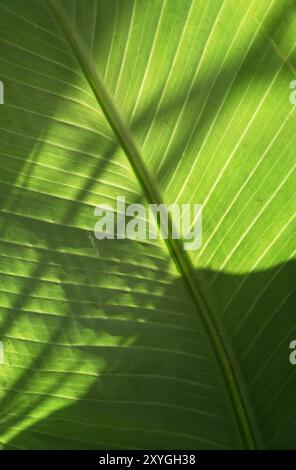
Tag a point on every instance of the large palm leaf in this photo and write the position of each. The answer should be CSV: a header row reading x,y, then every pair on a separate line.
x,y
128,343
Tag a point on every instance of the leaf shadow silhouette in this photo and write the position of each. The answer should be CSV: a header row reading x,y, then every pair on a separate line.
x,y
151,390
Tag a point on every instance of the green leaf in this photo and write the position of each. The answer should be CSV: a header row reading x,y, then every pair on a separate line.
x,y
138,343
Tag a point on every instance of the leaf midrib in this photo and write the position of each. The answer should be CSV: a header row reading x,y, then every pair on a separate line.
x,y
229,370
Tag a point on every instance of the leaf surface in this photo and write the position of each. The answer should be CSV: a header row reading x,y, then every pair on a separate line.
x,y
139,344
